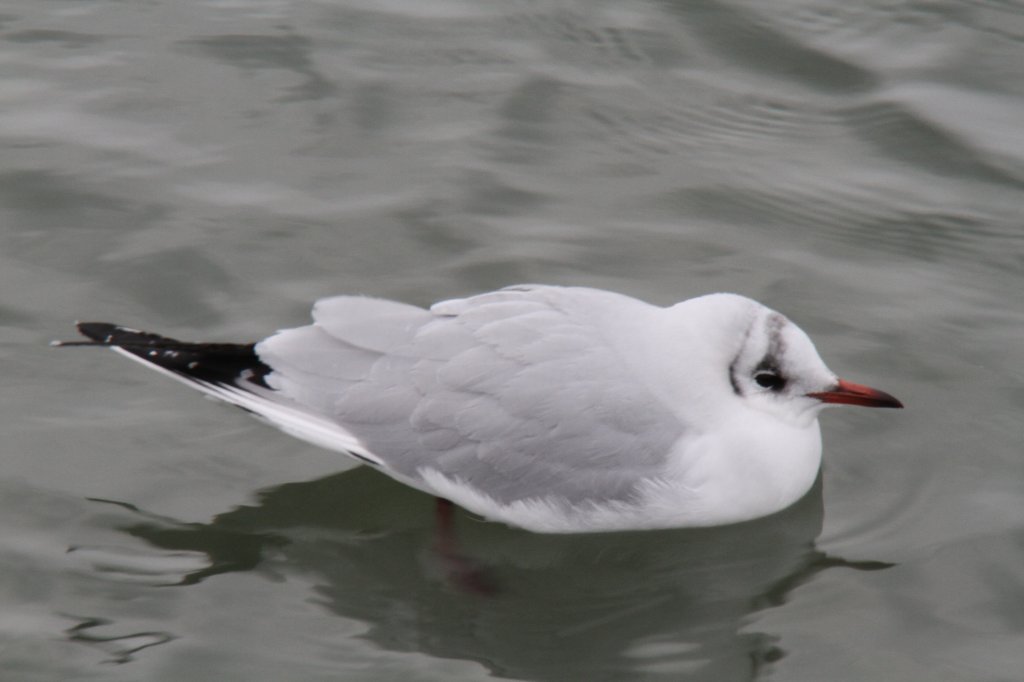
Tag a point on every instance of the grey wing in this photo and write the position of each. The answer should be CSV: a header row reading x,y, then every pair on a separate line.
x,y
514,393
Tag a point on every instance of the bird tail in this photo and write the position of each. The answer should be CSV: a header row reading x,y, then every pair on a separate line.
x,y
232,372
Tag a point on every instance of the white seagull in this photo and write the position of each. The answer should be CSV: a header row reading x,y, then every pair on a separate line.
x,y
554,409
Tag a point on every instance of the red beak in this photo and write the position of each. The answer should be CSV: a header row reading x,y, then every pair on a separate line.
x,y
849,393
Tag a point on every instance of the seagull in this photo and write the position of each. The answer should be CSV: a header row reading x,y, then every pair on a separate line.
x,y
553,409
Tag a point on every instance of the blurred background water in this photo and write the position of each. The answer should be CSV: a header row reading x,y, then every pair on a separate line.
x,y
208,169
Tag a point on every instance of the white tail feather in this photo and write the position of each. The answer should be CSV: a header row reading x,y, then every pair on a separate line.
x,y
264,403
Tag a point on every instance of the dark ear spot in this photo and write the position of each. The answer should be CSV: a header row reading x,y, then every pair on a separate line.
x,y
734,365
732,380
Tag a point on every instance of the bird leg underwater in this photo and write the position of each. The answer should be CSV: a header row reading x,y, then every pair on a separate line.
x,y
460,571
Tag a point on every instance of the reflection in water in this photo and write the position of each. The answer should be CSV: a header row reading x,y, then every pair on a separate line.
x,y
601,606
253,52
121,648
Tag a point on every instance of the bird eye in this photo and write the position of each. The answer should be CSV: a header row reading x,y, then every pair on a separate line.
x,y
770,380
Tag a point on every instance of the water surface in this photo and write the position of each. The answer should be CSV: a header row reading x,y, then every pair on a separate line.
x,y
208,169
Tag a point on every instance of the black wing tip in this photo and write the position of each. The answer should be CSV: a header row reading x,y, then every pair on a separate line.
x,y
98,333
217,363
107,334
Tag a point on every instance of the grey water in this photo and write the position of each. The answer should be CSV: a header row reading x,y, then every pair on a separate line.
x,y
209,168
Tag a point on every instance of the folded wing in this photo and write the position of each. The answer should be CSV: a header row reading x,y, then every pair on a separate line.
x,y
516,393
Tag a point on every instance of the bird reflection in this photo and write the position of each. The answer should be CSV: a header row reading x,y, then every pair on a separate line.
x,y
673,603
